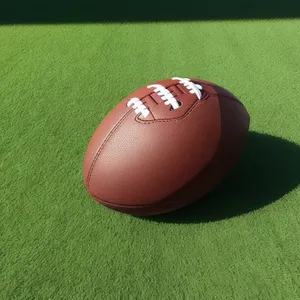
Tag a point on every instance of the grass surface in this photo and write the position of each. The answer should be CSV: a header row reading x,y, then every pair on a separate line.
x,y
58,82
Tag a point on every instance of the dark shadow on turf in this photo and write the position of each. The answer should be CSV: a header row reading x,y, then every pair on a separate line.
x,y
78,11
269,168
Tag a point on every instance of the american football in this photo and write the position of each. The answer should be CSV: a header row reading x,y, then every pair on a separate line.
x,y
165,146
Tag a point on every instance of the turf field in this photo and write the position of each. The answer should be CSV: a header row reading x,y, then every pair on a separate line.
x,y
57,83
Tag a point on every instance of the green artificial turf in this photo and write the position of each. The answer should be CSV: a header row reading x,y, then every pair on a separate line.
x,y
57,84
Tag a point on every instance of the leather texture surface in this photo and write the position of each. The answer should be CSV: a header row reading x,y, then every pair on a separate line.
x,y
169,159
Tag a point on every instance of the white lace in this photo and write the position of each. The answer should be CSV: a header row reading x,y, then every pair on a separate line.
x,y
139,106
192,87
165,95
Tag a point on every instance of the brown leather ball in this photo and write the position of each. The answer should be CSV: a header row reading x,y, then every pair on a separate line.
x,y
165,146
